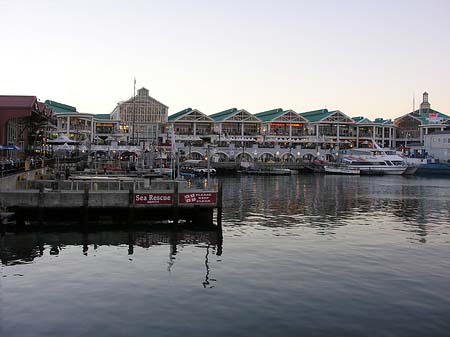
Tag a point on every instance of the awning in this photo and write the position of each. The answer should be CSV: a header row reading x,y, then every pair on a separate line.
x,y
63,139
10,147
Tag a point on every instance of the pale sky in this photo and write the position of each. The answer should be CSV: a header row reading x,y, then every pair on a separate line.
x,y
365,58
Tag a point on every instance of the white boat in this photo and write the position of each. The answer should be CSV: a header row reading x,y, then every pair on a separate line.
x,y
341,169
375,160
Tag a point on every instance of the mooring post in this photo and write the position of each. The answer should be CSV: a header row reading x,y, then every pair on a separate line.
x,y
131,205
85,208
219,206
175,202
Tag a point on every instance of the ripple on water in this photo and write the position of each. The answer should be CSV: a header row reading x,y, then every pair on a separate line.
x,y
304,255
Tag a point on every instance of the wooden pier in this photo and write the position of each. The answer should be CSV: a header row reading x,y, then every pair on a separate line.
x,y
118,201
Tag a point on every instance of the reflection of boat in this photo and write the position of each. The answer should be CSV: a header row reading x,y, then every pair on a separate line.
x,y
341,169
187,173
203,172
270,172
6,217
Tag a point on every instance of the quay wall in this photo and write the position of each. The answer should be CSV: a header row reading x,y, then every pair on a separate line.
x,y
8,183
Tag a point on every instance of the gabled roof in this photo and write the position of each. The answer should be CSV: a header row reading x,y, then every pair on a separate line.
x,y
143,98
220,116
103,116
7,101
179,114
382,121
316,115
359,119
269,115
423,115
60,107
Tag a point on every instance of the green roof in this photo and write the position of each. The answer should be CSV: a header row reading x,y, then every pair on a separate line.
x,y
382,121
358,119
423,115
220,116
316,115
175,116
60,107
270,115
103,116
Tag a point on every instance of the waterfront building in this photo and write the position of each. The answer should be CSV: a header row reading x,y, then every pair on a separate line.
x,y
142,116
381,130
24,122
280,125
411,128
274,135
85,127
334,126
437,145
190,124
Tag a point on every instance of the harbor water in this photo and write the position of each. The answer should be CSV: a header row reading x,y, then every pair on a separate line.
x,y
305,255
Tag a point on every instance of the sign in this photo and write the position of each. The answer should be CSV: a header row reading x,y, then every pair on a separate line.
x,y
153,199
198,198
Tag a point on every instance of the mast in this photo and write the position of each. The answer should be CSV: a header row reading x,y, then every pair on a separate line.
x,y
134,108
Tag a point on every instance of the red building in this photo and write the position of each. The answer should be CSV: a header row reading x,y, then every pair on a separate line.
x,y
23,122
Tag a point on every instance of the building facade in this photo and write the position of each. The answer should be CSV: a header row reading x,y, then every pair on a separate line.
x,y
24,122
411,128
143,117
84,127
437,145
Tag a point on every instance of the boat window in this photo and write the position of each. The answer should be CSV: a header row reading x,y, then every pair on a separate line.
x,y
389,163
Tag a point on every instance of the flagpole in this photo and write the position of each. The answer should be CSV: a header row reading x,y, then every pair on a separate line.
x,y
134,108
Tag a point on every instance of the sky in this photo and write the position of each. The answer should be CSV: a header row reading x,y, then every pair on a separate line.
x,y
365,58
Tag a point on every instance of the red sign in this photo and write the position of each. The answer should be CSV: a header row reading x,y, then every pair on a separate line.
x,y
198,198
153,199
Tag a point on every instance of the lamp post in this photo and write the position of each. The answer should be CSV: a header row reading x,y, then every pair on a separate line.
x,y
407,135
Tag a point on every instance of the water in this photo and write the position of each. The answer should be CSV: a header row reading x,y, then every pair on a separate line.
x,y
308,255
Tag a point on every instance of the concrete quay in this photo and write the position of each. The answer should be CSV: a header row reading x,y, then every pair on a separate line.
x,y
94,201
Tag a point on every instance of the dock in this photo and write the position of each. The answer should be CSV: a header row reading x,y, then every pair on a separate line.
x,y
122,201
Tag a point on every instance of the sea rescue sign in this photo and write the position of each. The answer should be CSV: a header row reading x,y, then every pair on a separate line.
x,y
153,199
198,198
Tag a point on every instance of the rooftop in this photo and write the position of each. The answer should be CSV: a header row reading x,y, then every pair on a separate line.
x,y
269,115
315,115
7,101
220,116
60,107
178,114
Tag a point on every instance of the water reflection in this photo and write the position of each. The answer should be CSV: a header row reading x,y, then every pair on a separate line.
x,y
26,247
327,203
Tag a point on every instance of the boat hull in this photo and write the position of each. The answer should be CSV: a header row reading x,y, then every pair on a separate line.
x,y
433,169
380,170
341,170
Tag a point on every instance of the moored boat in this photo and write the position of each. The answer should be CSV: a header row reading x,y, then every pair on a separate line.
x,y
375,161
341,169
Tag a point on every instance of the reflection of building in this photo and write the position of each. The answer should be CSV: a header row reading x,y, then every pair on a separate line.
x,y
24,122
412,127
143,116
